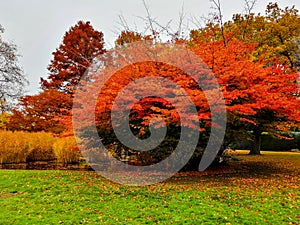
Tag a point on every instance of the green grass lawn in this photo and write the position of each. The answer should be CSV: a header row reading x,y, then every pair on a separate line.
x,y
258,190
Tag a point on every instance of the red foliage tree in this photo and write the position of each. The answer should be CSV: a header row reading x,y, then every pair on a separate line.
x,y
81,44
42,112
50,110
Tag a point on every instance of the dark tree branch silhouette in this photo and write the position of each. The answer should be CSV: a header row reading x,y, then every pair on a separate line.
x,y
12,79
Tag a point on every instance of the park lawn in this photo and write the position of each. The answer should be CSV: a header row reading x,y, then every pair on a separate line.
x,y
258,190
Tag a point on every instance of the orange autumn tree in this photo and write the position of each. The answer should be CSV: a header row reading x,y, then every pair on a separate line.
x,y
149,103
258,98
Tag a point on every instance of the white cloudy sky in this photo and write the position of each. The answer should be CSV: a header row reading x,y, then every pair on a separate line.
x,y
38,26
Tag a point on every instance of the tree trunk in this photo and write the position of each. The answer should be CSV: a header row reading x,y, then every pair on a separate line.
x,y
257,143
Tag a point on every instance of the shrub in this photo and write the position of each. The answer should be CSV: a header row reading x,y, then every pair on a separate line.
x,y
12,148
66,150
21,147
40,147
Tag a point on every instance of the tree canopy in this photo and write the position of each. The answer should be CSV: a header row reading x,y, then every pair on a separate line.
x,y
81,44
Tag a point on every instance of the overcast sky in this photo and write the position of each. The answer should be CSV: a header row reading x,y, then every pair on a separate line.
x,y
37,27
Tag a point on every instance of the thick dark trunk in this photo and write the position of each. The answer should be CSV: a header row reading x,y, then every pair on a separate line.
x,y
257,143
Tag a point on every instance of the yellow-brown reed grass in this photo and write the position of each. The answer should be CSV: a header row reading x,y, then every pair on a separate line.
x,y
24,147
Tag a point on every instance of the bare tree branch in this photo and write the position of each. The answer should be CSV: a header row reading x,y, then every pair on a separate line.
x,y
180,22
123,22
249,6
155,28
199,23
217,6
12,79
149,18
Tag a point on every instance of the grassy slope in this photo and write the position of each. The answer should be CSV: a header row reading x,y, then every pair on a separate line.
x,y
258,190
